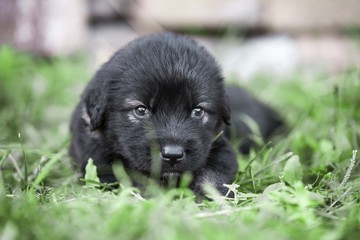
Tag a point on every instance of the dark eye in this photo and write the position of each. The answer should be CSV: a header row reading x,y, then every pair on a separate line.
x,y
141,112
197,112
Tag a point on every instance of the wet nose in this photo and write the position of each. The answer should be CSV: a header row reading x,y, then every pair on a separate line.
x,y
172,154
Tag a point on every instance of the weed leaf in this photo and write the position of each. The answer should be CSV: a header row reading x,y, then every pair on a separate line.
x,y
293,171
91,174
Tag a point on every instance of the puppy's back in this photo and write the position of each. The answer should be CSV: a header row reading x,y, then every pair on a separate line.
x,y
244,105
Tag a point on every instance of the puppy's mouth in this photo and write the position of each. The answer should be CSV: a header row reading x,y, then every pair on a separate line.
x,y
170,179
170,175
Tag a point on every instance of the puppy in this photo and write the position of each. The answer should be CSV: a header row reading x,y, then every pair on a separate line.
x,y
158,107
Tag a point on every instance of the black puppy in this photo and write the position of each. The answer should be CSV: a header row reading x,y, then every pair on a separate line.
x,y
162,90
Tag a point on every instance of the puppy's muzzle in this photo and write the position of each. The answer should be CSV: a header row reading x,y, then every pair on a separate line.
x,y
172,154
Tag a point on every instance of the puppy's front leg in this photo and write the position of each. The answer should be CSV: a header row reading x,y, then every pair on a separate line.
x,y
220,169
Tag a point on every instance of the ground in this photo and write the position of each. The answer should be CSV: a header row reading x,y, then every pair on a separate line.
x,y
305,184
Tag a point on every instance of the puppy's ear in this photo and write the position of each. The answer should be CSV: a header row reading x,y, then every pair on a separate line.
x,y
226,113
95,104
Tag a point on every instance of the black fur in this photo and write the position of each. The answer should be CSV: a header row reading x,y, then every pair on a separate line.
x,y
243,105
169,76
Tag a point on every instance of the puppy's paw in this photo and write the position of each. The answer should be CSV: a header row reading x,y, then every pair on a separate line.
x,y
208,181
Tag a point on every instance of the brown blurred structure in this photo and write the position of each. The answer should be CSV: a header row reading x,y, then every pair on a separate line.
x,y
46,28
310,15
277,15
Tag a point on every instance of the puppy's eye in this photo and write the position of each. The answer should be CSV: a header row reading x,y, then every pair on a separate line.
x,y
197,112
141,112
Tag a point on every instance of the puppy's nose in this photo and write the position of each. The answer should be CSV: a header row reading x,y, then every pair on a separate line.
x,y
172,154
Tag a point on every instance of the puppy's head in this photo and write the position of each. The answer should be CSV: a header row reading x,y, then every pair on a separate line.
x,y
164,91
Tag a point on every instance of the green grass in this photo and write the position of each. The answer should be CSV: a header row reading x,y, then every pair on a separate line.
x,y
304,185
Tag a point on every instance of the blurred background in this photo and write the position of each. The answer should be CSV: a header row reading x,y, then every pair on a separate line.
x,y
248,37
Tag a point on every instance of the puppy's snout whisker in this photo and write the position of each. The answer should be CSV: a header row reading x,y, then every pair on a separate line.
x,y
172,154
